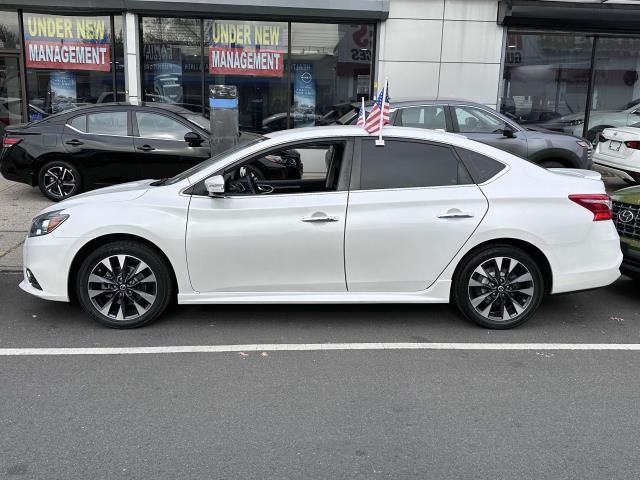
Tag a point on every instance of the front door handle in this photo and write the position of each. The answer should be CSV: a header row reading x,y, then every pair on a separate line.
x,y
146,148
455,213
319,219
75,142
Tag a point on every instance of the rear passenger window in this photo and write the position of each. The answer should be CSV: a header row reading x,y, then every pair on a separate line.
x,y
431,117
406,164
108,123
481,167
79,123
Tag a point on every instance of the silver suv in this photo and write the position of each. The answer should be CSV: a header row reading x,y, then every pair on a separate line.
x,y
483,124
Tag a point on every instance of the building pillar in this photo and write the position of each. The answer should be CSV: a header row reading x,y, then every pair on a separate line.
x,y
132,63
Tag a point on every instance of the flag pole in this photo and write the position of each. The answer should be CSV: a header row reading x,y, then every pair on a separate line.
x,y
364,114
380,141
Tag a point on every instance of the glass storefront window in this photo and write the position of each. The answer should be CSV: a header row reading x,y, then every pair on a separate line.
x,y
330,69
172,61
251,56
9,30
68,60
10,91
546,79
616,90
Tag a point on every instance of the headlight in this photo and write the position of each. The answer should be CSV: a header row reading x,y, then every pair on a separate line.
x,y
576,122
584,144
47,223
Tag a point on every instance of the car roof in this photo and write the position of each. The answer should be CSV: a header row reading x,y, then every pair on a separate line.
x,y
333,131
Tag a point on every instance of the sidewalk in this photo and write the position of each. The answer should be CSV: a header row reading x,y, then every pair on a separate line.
x,y
19,203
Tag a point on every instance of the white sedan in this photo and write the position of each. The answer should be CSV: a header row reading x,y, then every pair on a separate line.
x,y
427,218
618,152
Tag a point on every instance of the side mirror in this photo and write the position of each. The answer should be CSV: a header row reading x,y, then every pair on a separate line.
x,y
215,186
193,139
508,132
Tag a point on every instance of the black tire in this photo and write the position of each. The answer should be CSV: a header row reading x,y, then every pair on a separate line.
x,y
149,287
551,164
466,287
59,179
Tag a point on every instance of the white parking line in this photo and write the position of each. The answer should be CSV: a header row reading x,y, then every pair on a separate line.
x,y
313,347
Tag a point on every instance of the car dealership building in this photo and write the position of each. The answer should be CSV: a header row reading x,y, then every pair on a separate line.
x,y
563,63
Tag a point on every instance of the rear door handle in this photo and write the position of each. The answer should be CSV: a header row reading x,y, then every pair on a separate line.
x,y
74,142
146,148
320,219
456,214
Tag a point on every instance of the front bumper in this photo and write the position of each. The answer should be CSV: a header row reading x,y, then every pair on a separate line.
x,y
630,261
49,259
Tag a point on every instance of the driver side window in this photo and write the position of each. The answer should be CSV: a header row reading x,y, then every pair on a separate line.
x,y
475,120
303,168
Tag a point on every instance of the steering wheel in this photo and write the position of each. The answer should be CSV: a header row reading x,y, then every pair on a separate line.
x,y
253,186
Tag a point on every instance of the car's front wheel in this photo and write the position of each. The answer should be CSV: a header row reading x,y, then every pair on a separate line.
x,y
59,179
124,284
499,287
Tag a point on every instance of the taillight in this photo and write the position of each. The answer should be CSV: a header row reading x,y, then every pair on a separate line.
x,y
10,141
598,204
633,144
602,138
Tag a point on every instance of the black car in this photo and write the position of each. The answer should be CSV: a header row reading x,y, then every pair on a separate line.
x,y
483,124
94,146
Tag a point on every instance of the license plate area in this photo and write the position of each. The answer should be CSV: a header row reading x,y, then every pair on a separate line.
x,y
615,146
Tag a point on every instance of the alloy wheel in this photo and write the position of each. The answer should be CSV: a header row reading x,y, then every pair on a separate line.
x,y
122,287
59,181
501,288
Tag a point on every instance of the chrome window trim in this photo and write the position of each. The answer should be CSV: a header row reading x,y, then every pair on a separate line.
x,y
99,134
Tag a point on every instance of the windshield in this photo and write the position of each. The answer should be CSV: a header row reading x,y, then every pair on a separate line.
x,y
347,118
199,120
216,158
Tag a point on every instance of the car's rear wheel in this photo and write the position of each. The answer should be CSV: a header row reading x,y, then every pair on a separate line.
x,y
59,179
124,284
499,287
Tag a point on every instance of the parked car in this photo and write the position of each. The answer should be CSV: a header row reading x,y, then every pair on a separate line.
x,y
483,124
626,215
598,120
618,152
100,145
495,235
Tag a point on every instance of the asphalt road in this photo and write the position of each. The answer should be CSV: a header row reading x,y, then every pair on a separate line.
x,y
446,414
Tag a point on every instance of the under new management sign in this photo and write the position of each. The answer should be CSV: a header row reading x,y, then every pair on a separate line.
x,y
76,43
251,48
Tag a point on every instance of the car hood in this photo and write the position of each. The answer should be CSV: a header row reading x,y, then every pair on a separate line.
x,y
125,192
627,195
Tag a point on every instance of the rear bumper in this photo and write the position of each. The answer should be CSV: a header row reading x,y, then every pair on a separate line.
x,y
12,171
631,261
616,172
590,263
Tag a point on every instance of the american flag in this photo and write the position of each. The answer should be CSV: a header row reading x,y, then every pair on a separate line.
x,y
380,107
361,116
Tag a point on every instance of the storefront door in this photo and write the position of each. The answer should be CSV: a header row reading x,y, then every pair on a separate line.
x,y
10,91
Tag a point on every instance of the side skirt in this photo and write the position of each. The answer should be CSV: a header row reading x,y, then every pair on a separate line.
x,y
437,293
